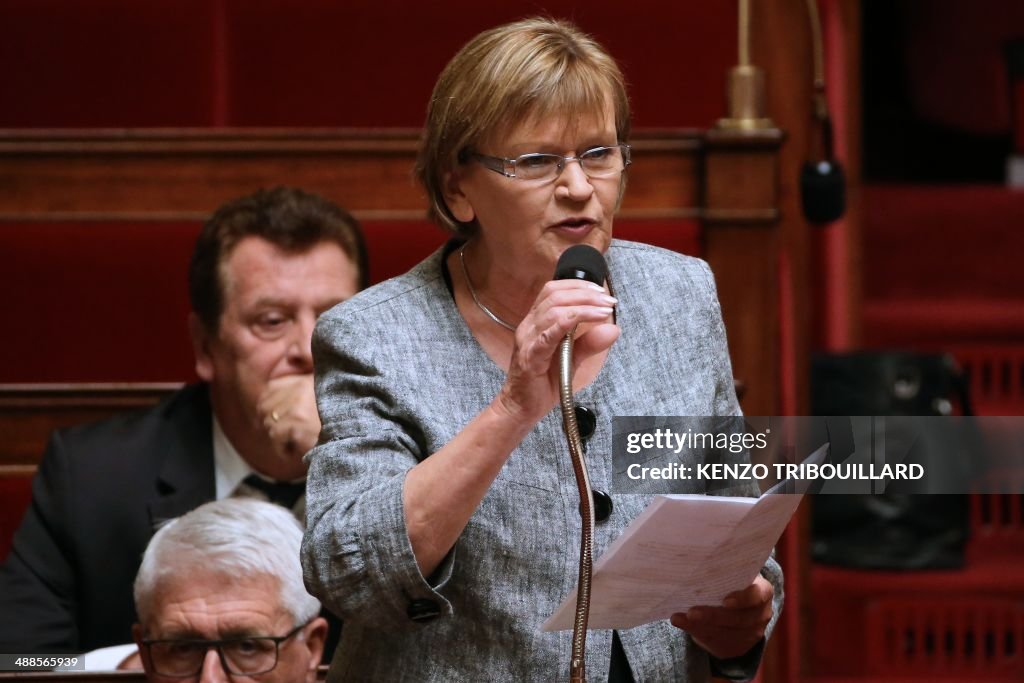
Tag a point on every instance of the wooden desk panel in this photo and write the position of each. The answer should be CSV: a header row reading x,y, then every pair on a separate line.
x,y
30,412
184,174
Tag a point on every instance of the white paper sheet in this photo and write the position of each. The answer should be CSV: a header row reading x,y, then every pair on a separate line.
x,y
680,552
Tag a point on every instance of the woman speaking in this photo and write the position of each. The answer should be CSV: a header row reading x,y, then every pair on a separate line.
x,y
442,508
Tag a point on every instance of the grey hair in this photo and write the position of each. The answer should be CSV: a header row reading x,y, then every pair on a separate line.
x,y
234,536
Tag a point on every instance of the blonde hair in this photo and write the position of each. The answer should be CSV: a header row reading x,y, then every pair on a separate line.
x,y
531,68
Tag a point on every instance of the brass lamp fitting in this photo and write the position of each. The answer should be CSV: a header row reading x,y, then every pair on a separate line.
x,y
745,91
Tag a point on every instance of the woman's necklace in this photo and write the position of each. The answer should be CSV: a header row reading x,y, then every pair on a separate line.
x,y
472,292
491,314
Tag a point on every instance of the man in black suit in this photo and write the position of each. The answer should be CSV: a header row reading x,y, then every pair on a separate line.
x,y
264,267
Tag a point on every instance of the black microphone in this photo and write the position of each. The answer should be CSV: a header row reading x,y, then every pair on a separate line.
x,y
582,262
823,183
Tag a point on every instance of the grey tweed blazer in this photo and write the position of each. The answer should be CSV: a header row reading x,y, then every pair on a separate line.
x,y
398,376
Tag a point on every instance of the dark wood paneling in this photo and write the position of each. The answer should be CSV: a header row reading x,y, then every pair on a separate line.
x,y
170,175
741,257
185,174
30,412
742,184
740,211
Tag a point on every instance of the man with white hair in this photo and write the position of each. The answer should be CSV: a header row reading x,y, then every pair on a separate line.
x,y
220,597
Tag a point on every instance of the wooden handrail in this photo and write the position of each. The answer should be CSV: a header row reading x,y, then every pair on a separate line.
x,y
183,174
30,412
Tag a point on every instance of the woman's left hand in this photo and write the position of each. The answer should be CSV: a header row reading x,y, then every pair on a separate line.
x,y
736,626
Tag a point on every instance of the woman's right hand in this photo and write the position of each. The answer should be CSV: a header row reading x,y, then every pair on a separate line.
x,y
531,387
467,465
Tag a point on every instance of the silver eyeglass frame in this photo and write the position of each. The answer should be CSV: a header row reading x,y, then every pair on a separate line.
x,y
507,167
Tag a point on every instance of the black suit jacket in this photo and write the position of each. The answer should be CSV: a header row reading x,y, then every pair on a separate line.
x,y
99,493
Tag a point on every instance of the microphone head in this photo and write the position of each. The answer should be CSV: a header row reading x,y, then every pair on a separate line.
x,y
822,191
581,262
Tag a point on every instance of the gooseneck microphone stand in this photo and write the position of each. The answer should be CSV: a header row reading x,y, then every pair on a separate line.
x,y
577,667
581,262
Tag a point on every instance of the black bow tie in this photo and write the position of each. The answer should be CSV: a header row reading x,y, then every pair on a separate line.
x,y
279,492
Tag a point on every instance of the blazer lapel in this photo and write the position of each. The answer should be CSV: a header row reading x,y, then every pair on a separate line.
x,y
186,478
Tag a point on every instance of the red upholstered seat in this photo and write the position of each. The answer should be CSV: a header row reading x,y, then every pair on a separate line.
x,y
107,63
954,625
125,63
396,246
109,301
677,235
943,242
96,301
941,274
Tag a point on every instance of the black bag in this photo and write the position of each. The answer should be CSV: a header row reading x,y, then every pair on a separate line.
x,y
888,530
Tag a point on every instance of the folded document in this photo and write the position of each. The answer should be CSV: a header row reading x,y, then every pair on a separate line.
x,y
680,552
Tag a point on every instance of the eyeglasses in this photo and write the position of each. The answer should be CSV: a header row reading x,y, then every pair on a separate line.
x,y
245,656
597,162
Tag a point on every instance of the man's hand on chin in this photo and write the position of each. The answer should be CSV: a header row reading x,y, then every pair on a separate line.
x,y
288,411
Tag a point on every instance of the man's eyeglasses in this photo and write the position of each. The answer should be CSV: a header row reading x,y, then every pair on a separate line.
x,y
597,162
244,656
